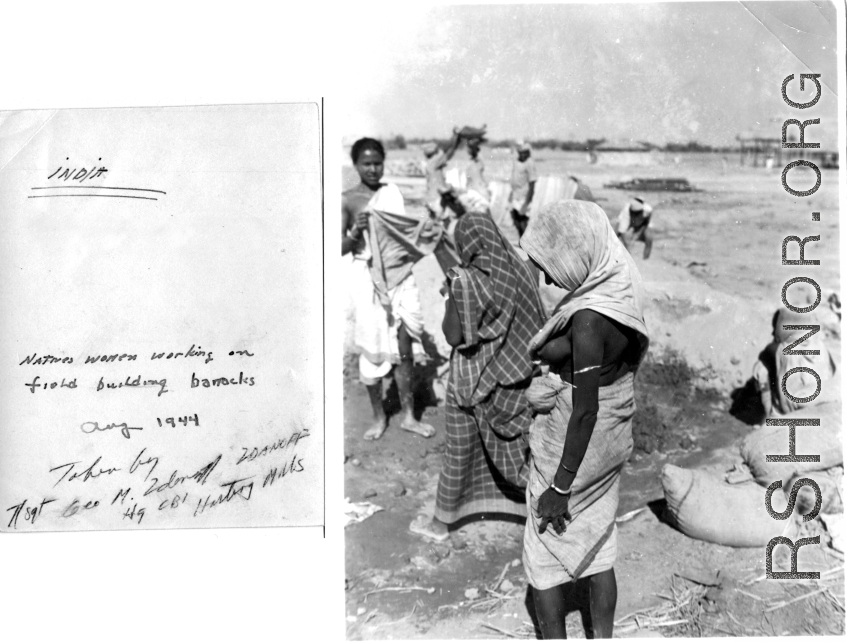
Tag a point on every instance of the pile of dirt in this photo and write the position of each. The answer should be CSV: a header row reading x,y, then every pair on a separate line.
x,y
669,369
650,433
669,403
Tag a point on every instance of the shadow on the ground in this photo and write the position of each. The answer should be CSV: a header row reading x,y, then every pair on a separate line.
x,y
504,517
747,403
660,510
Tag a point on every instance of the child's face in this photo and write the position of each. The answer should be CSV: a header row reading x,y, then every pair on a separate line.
x,y
370,166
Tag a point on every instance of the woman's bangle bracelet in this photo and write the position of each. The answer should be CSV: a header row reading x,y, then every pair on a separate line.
x,y
565,468
561,492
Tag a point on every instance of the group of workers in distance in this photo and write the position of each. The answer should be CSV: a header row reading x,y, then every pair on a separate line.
x,y
632,223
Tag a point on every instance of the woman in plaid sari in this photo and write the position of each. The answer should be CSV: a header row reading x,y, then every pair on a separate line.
x,y
492,311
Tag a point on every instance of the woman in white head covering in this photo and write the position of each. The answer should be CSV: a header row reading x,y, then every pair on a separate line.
x,y
795,360
582,433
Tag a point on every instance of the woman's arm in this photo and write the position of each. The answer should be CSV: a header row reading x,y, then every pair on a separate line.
x,y
762,376
451,325
529,194
587,359
588,345
454,144
348,243
351,227
767,401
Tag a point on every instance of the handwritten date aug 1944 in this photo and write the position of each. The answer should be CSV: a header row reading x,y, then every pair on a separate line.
x,y
150,489
94,427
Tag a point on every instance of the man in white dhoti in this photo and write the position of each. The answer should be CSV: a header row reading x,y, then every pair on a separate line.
x,y
524,177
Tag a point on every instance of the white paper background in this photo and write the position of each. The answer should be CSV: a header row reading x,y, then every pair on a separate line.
x,y
214,585
223,261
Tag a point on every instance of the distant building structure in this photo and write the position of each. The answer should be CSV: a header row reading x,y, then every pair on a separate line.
x,y
756,150
767,151
624,152
624,145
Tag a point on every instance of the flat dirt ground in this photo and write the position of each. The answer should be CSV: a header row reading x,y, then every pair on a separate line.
x,y
713,283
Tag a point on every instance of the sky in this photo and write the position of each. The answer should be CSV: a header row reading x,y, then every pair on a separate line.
x,y
657,72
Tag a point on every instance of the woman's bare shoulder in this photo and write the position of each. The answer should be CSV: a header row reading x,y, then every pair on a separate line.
x,y
588,321
586,317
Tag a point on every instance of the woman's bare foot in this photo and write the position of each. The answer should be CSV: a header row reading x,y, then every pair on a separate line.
x,y
429,528
409,423
376,430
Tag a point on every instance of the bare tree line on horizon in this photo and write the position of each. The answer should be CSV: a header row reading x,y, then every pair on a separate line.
x,y
399,142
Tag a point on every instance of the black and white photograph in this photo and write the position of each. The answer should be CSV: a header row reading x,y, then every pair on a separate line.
x,y
575,371
592,351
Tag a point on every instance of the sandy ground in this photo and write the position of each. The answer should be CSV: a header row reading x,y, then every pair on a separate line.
x,y
713,283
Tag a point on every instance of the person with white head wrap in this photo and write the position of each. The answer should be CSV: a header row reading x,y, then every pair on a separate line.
x,y
633,224
475,172
582,433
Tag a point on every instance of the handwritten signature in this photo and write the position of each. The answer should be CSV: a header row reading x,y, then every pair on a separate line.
x,y
86,474
31,512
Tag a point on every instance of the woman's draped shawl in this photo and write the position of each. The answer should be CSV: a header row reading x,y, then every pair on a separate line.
x,y
574,243
398,240
499,308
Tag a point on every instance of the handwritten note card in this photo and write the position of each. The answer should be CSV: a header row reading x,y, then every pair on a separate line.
x,y
161,307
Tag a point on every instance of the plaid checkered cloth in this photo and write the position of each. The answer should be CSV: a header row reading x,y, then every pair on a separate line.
x,y
589,544
485,464
499,308
485,468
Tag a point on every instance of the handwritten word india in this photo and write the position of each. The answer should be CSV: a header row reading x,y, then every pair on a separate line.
x,y
142,487
136,380
78,174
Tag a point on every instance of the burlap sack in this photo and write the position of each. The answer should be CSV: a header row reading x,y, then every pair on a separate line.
x,y
829,483
704,507
823,440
